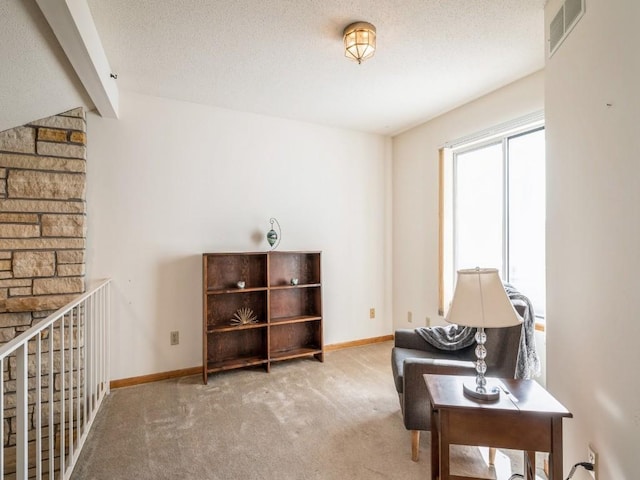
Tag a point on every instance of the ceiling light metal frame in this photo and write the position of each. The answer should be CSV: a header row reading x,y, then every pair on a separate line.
x,y
359,41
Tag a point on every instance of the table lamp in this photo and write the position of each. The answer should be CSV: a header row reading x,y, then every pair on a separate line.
x,y
479,300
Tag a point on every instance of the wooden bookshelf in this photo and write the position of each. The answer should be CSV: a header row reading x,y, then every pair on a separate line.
x,y
288,314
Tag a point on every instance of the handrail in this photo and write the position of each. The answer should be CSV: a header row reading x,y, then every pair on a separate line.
x,y
27,335
69,350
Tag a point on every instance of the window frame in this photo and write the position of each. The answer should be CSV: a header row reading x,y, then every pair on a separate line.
x,y
446,211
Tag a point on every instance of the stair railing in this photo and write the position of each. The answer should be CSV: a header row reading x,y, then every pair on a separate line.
x,y
60,369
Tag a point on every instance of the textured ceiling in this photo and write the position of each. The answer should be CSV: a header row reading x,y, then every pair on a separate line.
x,y
281,57
285,58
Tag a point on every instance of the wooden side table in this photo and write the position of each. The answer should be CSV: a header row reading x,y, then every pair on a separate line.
x,y
526,417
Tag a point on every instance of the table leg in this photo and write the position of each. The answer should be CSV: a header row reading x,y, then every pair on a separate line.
x,y
555,455
530,465
444,444
435,446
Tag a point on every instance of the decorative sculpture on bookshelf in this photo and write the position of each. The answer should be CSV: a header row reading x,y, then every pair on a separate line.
x,y
274,237
244,316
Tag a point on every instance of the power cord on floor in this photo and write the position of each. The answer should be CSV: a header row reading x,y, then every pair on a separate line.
x,y
585,465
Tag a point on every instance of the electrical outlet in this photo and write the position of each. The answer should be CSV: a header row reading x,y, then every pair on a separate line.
x,y
409,317
175,337
427,321
372,313
592,457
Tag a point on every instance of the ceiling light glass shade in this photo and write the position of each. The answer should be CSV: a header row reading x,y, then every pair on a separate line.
x,y
359,41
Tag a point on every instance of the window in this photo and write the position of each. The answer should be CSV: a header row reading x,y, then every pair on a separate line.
x,y
494,210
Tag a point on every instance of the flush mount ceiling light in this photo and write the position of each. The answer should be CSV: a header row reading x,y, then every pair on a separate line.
x,y
359,41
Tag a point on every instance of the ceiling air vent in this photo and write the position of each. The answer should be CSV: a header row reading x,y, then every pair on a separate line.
x,y
567,17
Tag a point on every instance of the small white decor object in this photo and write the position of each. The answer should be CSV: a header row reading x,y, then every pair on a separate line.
x,y
244,316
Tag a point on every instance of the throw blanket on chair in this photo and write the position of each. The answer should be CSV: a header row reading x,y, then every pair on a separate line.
x,y
452,337
456,337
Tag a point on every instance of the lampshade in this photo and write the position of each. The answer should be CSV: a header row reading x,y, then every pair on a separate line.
x,y
479,300
359,41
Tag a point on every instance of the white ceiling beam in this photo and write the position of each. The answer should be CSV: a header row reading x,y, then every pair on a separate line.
x,y
73,25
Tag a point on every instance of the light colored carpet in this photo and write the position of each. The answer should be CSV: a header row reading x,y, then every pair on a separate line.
x,y
305,420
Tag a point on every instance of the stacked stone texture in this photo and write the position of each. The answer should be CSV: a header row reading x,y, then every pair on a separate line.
x,y
42,246
42,215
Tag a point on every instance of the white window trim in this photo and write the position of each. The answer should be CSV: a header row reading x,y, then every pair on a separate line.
x,y
513,127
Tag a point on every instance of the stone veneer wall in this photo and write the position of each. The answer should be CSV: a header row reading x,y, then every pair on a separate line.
x,y
42,248
42,218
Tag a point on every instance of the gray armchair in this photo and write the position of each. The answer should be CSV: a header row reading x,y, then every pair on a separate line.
x,y
412,357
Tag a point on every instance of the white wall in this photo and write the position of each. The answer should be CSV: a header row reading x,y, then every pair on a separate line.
x,y
170,180
593,234
415,192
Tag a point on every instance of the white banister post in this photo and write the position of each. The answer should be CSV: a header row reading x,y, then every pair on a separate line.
x,y
79,346
38,407
62,404
22,408
71,379
2,416
102,344
89,354
85,348
52,452
107,348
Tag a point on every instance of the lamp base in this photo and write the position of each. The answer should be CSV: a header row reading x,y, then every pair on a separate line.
x,y
490,393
